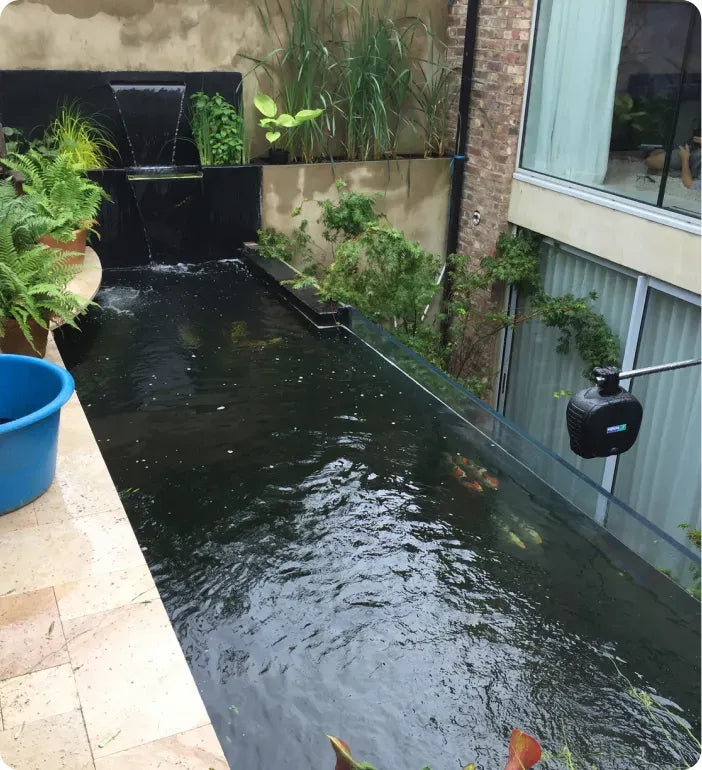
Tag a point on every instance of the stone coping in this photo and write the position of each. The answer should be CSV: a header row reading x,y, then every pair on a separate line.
x,y
92,676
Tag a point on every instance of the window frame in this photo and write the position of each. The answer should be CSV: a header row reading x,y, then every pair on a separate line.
x,y
654,213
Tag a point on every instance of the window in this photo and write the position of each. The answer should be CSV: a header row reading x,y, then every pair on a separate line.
x,y
614,94
659,477
537,371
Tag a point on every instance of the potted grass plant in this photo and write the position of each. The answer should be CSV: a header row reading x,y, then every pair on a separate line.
x,y
83,139
57,192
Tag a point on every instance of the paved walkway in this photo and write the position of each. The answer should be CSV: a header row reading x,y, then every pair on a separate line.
x,y
92,676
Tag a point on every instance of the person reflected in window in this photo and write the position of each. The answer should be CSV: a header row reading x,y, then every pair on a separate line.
x,y
690,176
683,160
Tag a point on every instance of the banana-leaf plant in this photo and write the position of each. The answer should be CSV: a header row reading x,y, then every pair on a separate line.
x,y
275,124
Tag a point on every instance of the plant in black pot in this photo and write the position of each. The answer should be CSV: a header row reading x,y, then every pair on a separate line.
x,y
275,126
218,130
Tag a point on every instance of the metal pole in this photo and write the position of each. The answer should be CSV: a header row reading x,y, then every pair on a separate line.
x,y
659,368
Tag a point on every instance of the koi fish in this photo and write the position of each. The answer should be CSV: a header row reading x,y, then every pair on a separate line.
x,y
524,751
513,538
474,486
535,536
481,474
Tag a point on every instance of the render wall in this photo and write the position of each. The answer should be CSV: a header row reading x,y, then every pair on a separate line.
x,y
415,196
169,35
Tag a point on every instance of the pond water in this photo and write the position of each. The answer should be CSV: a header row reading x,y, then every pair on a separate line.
x,y
326,572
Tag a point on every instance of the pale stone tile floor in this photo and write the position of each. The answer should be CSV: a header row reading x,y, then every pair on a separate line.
x,y
92,676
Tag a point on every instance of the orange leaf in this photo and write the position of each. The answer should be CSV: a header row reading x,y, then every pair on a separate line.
x,y
344,760
524,751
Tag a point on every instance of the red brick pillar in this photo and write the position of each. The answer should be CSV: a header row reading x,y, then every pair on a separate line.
x,y
502,47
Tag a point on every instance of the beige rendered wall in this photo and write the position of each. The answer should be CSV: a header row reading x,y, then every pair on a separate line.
x,y
177,35
415,196
650,248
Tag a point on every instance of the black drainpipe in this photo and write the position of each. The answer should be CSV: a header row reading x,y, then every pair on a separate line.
x,y
459,159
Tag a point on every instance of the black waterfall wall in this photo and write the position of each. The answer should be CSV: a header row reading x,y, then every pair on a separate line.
x,y
164,207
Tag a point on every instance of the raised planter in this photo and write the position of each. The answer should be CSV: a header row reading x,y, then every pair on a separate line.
x,y
32,393
415,196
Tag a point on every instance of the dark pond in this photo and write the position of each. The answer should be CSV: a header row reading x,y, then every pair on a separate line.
x,y
325,572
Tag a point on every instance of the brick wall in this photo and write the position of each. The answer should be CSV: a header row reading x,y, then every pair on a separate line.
x,y
499,72
496,102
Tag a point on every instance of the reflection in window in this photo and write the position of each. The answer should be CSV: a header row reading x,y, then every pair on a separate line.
x,y
615,89
682,185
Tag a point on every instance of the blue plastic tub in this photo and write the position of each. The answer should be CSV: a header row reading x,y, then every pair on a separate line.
x,y
32,393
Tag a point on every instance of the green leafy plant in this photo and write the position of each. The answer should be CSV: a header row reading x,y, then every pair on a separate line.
x,y
17,142
694,535
13,139
516,261
56,191
33,285
82,139
350,215
302,68
289,248
218,130
383,274
27,223
276,124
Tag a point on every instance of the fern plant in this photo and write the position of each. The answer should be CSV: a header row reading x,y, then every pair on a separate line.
x,y
33,285
28,224
56,190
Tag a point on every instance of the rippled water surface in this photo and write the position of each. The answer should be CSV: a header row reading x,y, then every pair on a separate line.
x,y
326,574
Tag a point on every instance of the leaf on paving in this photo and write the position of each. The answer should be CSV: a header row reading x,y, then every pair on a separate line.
x,y
109,739
51,629
19,732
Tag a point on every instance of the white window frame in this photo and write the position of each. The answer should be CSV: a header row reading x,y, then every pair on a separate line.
x,y
631,206
644,284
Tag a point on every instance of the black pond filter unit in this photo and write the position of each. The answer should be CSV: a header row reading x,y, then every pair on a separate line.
x,y
604,420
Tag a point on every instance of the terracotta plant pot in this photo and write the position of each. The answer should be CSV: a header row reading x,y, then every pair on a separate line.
x,y
77,245
13,341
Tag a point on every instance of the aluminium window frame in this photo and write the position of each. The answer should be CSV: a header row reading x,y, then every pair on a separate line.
x,y
654,213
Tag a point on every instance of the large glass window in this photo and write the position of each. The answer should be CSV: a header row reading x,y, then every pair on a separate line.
x,y
614,98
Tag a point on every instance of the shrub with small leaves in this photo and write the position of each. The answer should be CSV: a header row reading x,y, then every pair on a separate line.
x,y
383,274
353,213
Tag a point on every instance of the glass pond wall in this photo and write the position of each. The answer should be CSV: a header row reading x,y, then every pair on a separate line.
x,y
541,468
